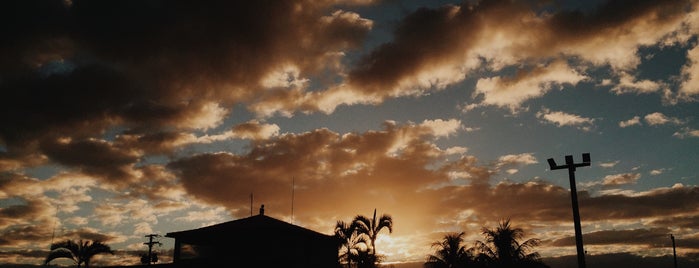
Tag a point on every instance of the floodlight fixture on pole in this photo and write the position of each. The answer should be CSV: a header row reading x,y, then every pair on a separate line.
x,y
570,165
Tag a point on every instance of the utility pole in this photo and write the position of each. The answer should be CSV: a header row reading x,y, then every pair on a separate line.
x,y
293,188
570,165
674,252
150,244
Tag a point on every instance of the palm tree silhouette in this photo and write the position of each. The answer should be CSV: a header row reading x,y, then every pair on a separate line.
x,y
351,240
503,249
366,259
80,252
450,253
372,227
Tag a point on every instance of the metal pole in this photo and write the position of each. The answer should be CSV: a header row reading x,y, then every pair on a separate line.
x,y
293,189
674,252
570,165
576,218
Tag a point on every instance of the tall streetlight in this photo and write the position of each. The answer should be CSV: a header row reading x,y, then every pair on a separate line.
x,y
674,252
570,165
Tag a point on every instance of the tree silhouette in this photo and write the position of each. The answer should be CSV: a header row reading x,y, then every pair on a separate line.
x,y
503,249
351,240
372,227
80,252
450,253
365,259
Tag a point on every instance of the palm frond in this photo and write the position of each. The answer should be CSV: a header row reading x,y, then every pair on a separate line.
x,y
59,253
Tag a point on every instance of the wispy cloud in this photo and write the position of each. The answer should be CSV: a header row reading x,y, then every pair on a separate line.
x,y
635,121
609,164
687,133
561,119
658,118
629,84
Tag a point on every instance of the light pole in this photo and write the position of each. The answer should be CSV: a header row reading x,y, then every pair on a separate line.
x,y
674,252
570,165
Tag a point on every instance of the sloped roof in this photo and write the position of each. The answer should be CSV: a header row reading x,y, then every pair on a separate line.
x,y
259,225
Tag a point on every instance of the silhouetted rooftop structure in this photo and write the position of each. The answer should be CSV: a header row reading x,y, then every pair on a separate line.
x,y
258,241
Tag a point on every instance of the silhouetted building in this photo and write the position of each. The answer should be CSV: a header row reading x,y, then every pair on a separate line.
x,y
257,241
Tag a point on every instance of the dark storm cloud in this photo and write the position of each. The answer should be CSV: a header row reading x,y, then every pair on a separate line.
x,y
677,221
425,36
26,234
39,254
93,157
77,68
544,202
611,14
655,203
655,237
163,142
77,104
22,212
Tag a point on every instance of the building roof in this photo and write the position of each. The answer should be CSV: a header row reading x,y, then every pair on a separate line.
x,y
259,225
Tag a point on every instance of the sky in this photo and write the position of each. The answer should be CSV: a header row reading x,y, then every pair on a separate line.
x,y
125,118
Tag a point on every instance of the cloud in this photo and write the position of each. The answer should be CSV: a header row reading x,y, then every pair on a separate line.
x,y
442,128
134,211
142,228
652,119
432,48
629,84
317,159
656,172
517,159
94,157
609,164
456,150
209,215
620,179
561,119
682,221
155,72
77,220
650,237
508,162
658,118
635,121
650,204
87,233
689,87
511,92
686,133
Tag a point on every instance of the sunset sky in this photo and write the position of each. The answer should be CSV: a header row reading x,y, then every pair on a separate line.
x,y
124,118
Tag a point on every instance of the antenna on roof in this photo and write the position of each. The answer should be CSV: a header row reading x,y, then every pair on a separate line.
x,y
293,187
250,204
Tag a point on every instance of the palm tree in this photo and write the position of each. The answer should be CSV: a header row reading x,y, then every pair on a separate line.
x,y
503,249
80,252
372,227
351,240
450,253
366,259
